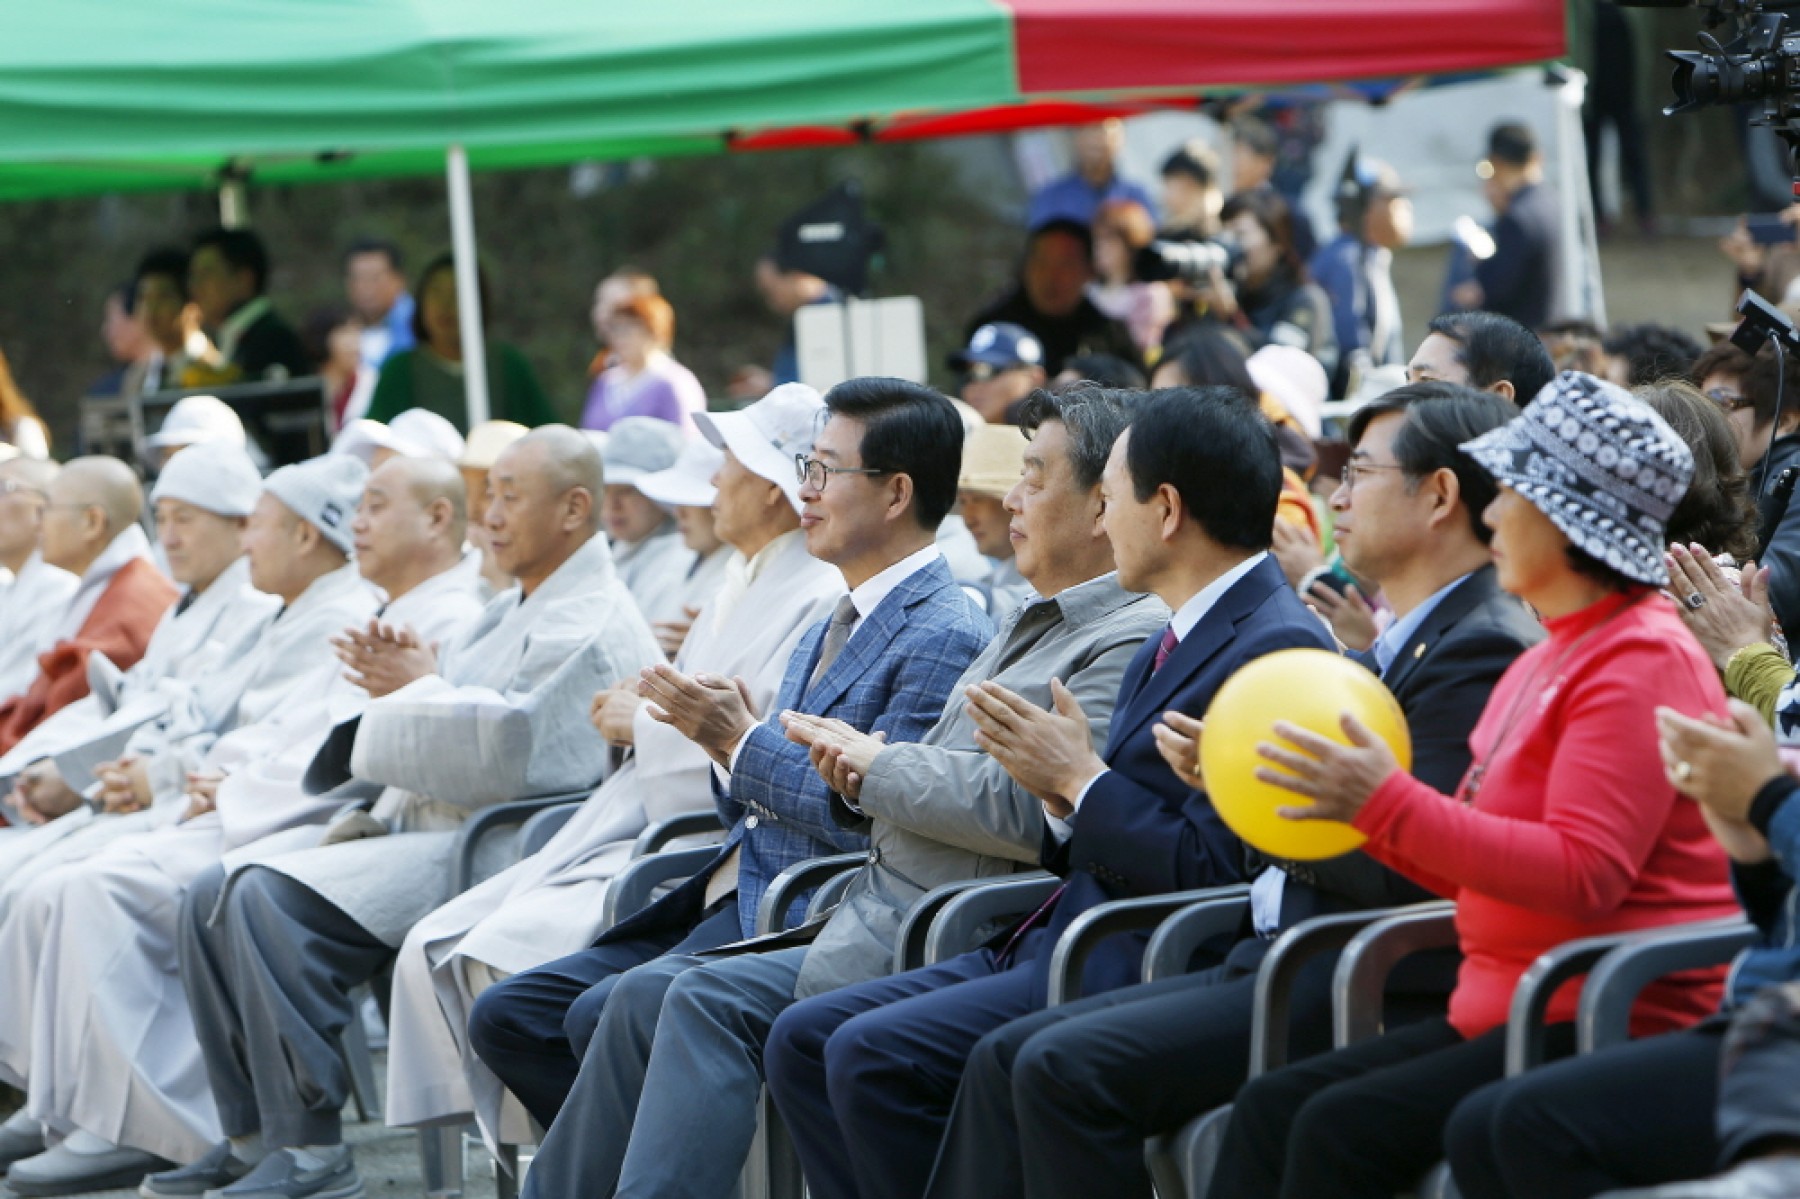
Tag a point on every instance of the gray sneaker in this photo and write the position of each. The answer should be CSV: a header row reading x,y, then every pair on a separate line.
x,y
62,1171
280,1176
219,1168
17,1146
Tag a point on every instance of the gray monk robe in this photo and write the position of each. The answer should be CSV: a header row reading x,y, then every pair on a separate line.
x,y
505,717
549,904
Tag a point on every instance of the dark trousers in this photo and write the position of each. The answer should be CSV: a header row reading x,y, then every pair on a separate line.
x,y
1359,1123
1636,1115
1759,1105
269,983
864,1076
533,1029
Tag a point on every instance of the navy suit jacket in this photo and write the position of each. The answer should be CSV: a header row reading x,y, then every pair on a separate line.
x,y
1140,830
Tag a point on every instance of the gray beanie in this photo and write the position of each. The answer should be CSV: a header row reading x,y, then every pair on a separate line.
x,y
323,491
216,476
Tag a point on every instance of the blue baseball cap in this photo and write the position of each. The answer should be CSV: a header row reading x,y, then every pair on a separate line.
x,y
1002,345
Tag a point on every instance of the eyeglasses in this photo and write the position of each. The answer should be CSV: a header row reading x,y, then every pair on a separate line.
x,y
1729,400
1356,470
816,474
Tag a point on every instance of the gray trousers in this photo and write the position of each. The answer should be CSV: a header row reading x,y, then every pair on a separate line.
x,y
666,1101
269,983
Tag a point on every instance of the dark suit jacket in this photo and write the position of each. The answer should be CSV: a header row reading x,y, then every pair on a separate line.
x,y
1442,677
270,342
1521,277
1140,831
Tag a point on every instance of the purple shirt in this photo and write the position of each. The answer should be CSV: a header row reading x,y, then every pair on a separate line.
x,y
664,389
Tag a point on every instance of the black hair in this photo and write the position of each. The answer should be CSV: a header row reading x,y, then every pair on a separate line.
x,y
1439,418
1269,210
376,245
1654,352
126,294
165,262
1211,355
1716,511
1766,375
1496,347
1068,228
1217,451
1093,416
1196,160
241,249
910,430
1106,370
446,262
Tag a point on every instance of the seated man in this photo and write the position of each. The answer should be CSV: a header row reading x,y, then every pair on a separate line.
x,y
686,490
36,593
549,905
90,529
936,811
651,559
1486,351
202,505
73,1013
498,713
864,1075
993,457
1061,1101
881,475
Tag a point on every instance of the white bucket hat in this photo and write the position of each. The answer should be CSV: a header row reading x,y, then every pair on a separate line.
x,y
767,436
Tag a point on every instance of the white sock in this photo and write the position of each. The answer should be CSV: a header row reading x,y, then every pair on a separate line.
x,y
87,1144
317,1157
249,1150
23,1124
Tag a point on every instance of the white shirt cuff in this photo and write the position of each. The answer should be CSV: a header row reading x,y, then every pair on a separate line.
x,y
1086,787
1060,826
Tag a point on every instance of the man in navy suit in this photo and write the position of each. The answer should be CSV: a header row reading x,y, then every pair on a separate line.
x,y
864,1076
1059,1103
880,476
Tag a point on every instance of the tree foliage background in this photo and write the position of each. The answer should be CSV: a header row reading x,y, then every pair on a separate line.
x,y
546,237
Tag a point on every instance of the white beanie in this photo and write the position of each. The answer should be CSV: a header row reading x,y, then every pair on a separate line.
x,y
216,476
322,491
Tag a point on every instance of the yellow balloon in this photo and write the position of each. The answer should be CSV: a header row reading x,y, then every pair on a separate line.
x,y
1310,688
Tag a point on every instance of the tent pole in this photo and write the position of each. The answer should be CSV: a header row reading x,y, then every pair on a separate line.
x,y
1583,294
468,293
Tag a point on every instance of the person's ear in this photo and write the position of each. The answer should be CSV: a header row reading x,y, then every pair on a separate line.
x,y
1172,514
1443,489
1505,390
900,494
579,510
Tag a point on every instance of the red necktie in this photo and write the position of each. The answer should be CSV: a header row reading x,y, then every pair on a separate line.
x,y
1165,648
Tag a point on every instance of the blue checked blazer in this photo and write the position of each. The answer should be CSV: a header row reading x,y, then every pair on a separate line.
x,y
893,675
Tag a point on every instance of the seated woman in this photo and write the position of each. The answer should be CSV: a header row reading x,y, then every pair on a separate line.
x,y
430,375
1564,827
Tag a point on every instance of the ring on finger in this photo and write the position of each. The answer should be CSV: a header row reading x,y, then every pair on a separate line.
x,y
1683,772
1695,600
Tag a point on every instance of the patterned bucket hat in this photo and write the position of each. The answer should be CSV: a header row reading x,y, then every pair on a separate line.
x,y
1600,464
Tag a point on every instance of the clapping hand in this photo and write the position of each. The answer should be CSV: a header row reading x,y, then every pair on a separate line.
x,y
1723,618
1339,779
383,658
1178,741
840,753
1049,753
710,710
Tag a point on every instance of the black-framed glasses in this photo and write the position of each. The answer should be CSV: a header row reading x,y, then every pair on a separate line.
x,y
1727,399
1354,470
816,474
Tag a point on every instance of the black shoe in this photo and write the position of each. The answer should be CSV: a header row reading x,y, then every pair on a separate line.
x,y
219,1168
280,1176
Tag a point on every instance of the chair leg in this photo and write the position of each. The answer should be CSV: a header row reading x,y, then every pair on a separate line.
x,y
441,1157
506,1173
780,1164
354,1047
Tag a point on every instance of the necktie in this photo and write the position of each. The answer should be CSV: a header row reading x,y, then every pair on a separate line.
x,y
1165,648
835,636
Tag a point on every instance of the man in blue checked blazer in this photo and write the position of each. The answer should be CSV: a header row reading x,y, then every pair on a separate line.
x,y
864,1076
880,476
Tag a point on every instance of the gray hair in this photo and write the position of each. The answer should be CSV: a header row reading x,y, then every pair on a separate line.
x,y
1094,417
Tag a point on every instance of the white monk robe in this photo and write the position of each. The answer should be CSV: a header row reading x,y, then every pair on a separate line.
x,y
549,904
505,718
189,645
31,611
94,1023
654,570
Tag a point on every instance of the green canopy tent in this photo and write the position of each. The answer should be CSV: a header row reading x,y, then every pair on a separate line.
x,y
102,96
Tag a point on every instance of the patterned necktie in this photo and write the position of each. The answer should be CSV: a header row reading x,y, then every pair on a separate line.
x,y
835,637
1165,648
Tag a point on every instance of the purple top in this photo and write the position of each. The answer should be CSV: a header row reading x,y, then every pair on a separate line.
x,y
664,389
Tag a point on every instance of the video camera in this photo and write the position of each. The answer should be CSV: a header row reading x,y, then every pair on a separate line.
x,y
1192,262
1760,65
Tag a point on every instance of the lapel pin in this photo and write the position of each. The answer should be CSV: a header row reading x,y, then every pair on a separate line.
x,y
1419,650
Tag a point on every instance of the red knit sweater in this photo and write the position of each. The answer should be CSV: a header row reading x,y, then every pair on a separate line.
x,y
1573,830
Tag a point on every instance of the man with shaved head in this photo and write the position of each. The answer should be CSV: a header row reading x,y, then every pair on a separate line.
x,y
498,713
36,593
90,529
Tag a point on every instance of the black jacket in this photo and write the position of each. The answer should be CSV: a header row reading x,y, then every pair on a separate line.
x,y
271,343
1782,555
1520,280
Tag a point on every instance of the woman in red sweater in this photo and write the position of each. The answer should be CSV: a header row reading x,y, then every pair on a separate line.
x,y
1564,827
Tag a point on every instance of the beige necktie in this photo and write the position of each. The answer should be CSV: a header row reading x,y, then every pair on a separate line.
x,y
843,618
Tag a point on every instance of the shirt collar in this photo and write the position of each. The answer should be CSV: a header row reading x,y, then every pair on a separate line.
x,y
1202,601
1387,646
868,595
232,327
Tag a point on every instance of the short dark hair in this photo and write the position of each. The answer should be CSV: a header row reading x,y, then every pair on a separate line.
x,y
1716,511
1211,355
908,429
1106,370
1496,347
447,262
1653,352
1276,217
1196,160
241,249
1439,418
376,245
1767,375
166,262
1094,417
1068,228
1725,358
1217,451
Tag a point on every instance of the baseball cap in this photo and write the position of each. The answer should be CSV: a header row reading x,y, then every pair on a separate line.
x,y
1000,344
768,435
323,492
